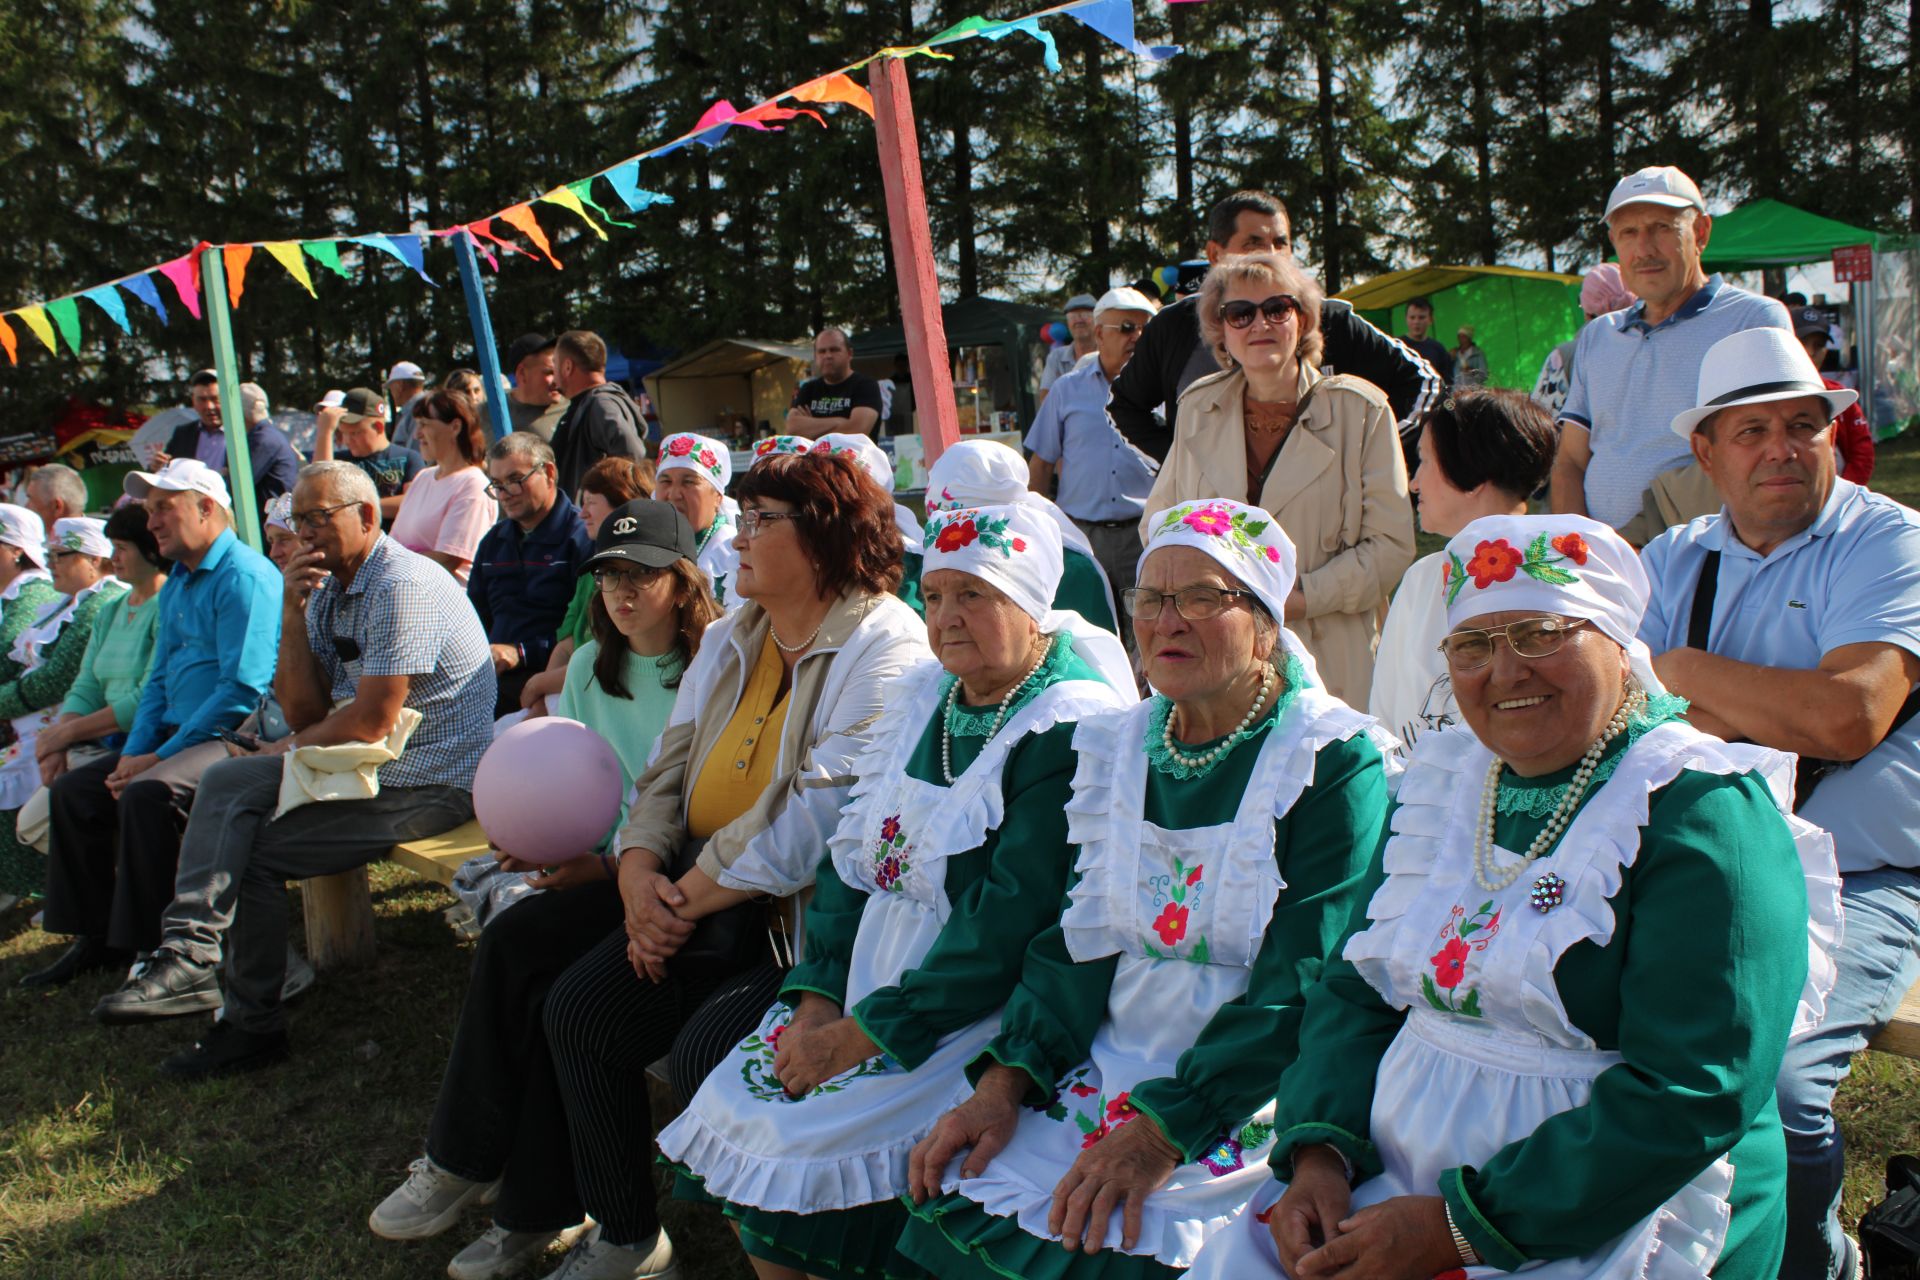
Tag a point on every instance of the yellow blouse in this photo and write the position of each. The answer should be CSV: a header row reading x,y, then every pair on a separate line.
x,y
744,757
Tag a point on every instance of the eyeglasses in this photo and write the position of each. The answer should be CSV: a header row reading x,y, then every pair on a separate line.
x,y
61,553
1239,313
1529,638
1195,604
316,520
631,581
1126,326
753,523
511,485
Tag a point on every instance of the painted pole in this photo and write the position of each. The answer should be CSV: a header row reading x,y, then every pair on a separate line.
x,y
482,323
246,516
912,239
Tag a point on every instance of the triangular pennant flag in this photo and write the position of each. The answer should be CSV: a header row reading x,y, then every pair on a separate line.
x,y
959,31
583,192
405,248
479,248
143,288
36,318
11,343
1001,30
327,254
712,126
484,227
234,258
66,314
838,87
566,199
287,254
108,299
625,181
903,52
184,275
774,111
1114,20
521,217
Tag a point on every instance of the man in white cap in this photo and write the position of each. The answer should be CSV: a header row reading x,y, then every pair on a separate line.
x,y
1792,619
1063,357
1634,369
116,823
1103,480
406,383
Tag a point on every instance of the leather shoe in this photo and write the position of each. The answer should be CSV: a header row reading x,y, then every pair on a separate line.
x,y
85,955
165,986
227,1050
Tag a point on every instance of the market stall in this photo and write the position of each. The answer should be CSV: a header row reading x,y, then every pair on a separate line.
x,y
735,389
1518,316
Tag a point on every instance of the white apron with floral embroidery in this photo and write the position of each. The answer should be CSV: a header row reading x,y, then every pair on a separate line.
x,y
1185,912
846,1143
718,559
1487,1053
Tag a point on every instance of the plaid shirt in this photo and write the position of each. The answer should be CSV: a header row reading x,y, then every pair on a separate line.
x,y
404,615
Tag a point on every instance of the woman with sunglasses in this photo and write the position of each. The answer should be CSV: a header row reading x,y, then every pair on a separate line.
x,y
1320,453
1223,829
1551,1048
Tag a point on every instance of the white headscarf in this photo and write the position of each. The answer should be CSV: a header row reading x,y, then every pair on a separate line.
x,y
982,473
702,455
875,462
25,532
83,534
1245,541
280,512
1016,549
772,446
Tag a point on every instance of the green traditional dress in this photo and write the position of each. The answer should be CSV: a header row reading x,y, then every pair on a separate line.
x,y
1582,1062
1083,589
20,603
1205,905
921,913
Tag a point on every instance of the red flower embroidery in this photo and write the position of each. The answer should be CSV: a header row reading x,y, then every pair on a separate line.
x,y
679,446
956,535
890,827
1019,544
1172,924
1572,546
1119,1111
1451,964
1094,1137
1494,561
707,459
1193,876
1082,1090
773,1036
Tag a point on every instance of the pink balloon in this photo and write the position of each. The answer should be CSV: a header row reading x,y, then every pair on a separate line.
x,y
548,790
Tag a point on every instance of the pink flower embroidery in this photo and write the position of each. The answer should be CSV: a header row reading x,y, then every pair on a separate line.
x,y
679,446
1273,554
708,460
1212,521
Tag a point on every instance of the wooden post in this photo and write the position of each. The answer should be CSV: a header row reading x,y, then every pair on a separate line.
x,y
912,240
482,323
246,515
339,914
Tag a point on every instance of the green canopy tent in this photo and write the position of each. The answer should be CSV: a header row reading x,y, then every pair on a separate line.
x,y
1767,233
1518,316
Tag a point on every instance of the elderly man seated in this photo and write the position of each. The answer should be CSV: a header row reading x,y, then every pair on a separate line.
x,y
386,644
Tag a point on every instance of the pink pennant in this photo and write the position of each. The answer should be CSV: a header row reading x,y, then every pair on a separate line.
x,y
184,275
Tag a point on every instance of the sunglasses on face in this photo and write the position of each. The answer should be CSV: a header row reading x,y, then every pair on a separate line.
x,y
1239,313
1126,326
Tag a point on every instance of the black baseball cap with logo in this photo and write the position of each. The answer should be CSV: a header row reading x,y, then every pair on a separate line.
x,y
644,532
361,403
1808,320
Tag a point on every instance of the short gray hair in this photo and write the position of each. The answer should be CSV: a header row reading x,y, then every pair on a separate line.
x,y
524,445
344,481
63,484
253,402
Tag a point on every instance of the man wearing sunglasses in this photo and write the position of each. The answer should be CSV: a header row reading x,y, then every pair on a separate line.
x,y
1171,355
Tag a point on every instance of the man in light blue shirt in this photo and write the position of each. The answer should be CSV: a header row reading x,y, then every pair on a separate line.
x,y
1103,480
1792,619
1634,369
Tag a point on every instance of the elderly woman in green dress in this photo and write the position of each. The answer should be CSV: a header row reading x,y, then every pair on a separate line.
x,y
1552,1047
951,857
1223,829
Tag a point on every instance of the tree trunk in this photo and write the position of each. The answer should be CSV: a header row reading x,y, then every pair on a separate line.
x,y
1182,107
1482,116
963,208
1913,116
1326,124
1762,93
1609,117
1099,189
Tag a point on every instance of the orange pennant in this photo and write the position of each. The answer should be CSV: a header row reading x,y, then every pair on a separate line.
x,y
838,87
234,258
11,343
521,217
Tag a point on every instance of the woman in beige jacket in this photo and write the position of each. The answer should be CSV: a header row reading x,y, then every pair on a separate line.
x,y
1321,453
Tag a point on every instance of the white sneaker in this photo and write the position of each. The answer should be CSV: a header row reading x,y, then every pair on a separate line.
x,y
499,1252
425,1204
594,1259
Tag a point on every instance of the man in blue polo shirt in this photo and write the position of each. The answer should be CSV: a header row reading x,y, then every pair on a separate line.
x,y
1633,370
1792,619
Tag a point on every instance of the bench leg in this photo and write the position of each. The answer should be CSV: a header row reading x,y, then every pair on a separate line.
x,y
339,913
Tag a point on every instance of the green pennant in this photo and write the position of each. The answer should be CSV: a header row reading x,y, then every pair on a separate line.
x,y
959,30
583,192
327,254
66,314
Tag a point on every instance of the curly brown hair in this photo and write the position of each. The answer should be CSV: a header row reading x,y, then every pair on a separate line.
x,y
1268,271
845,519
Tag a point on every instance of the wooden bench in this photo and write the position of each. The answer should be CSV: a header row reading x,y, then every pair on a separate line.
x,y
1902,1035
339,908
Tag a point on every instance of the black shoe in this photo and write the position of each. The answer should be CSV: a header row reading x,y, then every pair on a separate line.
x,y
165,986
226,1050
86,955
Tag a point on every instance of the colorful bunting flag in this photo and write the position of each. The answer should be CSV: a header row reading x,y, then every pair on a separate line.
x,y
625,181
583,192
484,227
107,298
838,87
566,199
327,254
66,315
184,274
1001,30
406,248
521,217
36,318
1114,20
233,258
11,343
142,287
287,254
960,30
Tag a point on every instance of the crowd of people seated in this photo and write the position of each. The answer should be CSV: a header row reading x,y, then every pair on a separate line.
x,y
1515,908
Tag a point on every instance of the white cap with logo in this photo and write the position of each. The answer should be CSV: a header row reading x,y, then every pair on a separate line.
x,y
1124,299
407,371
1656,184
182,475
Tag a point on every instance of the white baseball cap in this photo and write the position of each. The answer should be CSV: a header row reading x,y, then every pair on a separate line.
x,y
182,475
407,371
1755,366
1124,299
1656,184
333,399
25,532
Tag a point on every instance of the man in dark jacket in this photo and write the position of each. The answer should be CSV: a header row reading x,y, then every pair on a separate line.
x,y
601,419
1170,356
275,464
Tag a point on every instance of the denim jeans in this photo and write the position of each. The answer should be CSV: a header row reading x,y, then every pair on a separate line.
x,y
1879,959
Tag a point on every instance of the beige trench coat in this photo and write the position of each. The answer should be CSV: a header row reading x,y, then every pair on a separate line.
x,y
1338,488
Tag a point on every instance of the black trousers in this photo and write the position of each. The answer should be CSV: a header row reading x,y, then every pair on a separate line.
x,y
604,1026
498,1115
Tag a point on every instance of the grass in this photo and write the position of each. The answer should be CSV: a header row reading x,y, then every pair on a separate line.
x,y
109,1172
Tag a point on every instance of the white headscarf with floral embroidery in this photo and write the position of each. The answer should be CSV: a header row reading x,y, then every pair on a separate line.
x,y
702,455
1245,541
985,473
875,462
1015,549
280,512
771,446
83,534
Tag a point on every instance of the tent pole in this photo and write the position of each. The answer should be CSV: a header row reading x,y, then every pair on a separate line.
x,y
246,515
481,321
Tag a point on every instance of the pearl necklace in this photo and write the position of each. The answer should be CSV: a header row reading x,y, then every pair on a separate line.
x,y
1483,870
946,714
784,647
1226,744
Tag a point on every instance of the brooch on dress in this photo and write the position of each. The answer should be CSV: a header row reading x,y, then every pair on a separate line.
x,y
1549,891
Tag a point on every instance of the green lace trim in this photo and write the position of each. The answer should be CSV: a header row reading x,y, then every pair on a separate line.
x,y
1292,677
973,722
1517,796
701,539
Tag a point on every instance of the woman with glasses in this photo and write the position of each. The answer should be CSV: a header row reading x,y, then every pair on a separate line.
x,y
1551,1048
447,509
498,1119
1320,453
1223,830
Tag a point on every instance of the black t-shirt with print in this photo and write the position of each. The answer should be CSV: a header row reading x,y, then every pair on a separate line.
x,y
823,399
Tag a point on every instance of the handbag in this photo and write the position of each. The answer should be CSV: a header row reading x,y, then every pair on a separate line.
x,y
1890,1231
731,939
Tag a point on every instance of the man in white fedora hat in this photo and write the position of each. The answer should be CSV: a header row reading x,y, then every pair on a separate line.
x,y
1792,619
1634,369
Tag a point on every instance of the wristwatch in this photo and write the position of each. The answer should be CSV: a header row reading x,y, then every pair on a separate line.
x,y
1468,1255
